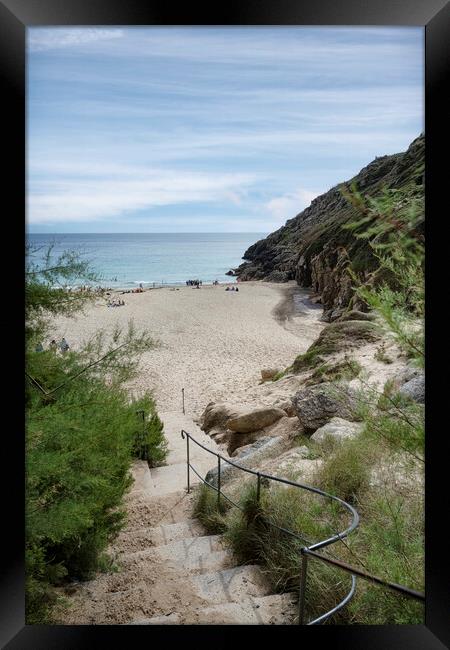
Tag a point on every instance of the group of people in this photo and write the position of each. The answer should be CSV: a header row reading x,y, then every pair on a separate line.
x,y
115,303
139,289
232,289
54,346
194,283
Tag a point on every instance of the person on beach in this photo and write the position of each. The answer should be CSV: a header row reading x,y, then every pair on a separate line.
x,y
63,346
53,346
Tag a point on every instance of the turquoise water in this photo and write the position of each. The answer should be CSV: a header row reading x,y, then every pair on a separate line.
x,y
125,260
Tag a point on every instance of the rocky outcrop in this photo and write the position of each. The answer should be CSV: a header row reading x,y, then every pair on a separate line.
x,y
318,405
217,414
255,419
414,389
337,429
314,249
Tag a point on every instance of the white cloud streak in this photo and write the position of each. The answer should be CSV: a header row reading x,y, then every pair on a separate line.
x,y
86,200
40,40
287,206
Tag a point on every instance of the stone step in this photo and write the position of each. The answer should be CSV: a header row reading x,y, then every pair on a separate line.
x,y
170,478
277,609
141,474
231,585
148,512
179,552
141,539
214,561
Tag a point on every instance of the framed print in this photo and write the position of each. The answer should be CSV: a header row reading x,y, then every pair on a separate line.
x,y
252,183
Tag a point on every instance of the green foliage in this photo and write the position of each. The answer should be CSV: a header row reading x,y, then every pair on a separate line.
x,y
149,442
392,224
391,540
309,359
346,472
209,511
46,287
81,432
336,337
280,374
394,419
345,370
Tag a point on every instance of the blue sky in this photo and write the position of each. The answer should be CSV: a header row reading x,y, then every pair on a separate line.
x,y
209,129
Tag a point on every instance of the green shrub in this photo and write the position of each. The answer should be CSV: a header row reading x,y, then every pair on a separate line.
x,y
390,540
345,370
81,428
208,510
346,472
149,441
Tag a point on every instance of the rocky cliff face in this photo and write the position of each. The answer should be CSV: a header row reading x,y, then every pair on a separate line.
x,y
315,250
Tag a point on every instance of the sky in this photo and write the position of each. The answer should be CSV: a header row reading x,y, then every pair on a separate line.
x,y
209,129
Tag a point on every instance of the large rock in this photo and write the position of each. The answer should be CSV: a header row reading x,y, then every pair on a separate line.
x,y
255,420
269,373
286,428
414,389
217,414
338,429
318,405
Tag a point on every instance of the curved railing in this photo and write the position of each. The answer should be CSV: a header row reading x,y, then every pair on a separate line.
x,y
306,551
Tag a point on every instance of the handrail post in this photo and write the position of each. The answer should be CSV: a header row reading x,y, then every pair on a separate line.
x,y
188,463
218,482
302,594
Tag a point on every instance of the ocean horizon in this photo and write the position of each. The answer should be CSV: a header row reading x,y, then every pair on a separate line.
x,y
125,260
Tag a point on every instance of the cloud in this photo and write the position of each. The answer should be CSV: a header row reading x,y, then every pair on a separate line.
x,y
83,199
49,39
287,206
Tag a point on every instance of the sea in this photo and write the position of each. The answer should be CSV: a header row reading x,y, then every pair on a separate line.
x,y
126,260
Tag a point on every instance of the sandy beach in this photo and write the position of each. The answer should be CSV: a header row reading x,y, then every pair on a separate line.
x,y
212,342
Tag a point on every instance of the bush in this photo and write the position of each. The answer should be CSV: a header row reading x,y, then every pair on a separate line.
x,y
81,429
345,370
149,441
208,511
78,454
346,472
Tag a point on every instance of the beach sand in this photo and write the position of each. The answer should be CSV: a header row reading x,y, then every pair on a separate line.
x,y
213,343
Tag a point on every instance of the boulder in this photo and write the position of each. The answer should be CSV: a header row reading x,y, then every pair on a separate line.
x,y
269,373
414,389
338,429
286,406
255,419
405,375
216,415
316,406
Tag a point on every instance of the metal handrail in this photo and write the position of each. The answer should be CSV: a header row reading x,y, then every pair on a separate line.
x,y
306,551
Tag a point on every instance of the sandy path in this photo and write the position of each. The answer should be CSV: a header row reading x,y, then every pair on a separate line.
x,y
213,342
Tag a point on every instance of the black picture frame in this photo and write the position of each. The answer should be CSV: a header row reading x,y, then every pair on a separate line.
x,y
15,16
